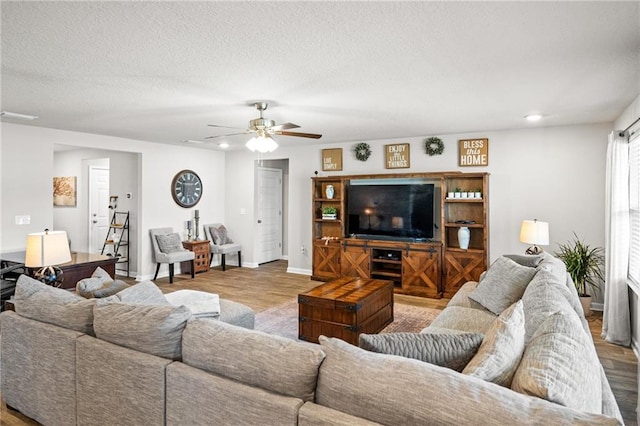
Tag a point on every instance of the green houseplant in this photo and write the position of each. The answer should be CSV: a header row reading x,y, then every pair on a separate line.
x,y
329,212
584,264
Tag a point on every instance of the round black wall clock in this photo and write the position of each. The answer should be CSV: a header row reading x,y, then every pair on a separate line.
x,y
186,188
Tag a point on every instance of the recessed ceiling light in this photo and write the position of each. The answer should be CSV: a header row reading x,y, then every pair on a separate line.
x,y
223,145
192,141
7,114
533,117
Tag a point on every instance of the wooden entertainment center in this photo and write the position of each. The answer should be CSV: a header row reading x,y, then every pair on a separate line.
x,y
435,268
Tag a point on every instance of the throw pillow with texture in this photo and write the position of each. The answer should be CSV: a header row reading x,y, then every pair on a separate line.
x,y
446,350
219,235
100,284
503,285
52,305
532,261
170,243
143,293
153,329
560,364
502,348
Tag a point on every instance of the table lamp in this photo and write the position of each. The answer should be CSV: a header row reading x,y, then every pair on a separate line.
x,y
45,250
536,233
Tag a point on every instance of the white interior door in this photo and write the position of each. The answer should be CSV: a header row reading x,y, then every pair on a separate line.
x,y
98,208
269,215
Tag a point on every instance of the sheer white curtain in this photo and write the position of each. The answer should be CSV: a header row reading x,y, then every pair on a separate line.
x,y
616,325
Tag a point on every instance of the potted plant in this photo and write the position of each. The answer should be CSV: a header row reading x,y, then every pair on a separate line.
x,y
477,193
329,212
585,265
457,193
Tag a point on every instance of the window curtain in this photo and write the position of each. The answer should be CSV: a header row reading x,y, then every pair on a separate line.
x,y
616,323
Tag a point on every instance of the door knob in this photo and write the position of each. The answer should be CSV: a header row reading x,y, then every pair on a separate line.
x,y
259,221
94,221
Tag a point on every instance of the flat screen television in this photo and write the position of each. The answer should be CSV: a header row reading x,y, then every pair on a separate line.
x,y
390,211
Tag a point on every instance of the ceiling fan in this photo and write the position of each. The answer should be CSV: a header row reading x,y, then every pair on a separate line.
x,y
264,129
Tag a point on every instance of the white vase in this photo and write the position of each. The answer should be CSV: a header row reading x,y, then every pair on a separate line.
x,y
463,237
330,191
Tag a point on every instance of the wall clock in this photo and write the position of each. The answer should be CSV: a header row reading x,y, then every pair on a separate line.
x,y
186,188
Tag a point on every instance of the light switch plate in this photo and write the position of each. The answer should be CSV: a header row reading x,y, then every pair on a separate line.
x,y
23,220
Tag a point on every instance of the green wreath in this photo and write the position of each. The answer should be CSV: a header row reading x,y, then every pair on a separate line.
x,y
363,151
434,146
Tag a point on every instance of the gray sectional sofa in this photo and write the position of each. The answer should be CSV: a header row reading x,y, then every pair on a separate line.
x,y
128,363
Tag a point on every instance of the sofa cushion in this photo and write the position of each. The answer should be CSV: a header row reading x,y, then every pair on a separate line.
x,y
560,364
169,243
270,362
463,319
501,349
504,284
461,298
545,296
153,329
52,305
143,293
100,284
446,350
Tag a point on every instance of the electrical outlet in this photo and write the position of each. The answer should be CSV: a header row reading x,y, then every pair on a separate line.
x,y
23,220
302,249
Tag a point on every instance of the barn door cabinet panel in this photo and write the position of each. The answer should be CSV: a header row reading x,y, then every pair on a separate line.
x,y
355,259
326,260
461,266
421,270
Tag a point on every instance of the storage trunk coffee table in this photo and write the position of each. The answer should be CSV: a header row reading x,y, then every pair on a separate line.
x,y
345,308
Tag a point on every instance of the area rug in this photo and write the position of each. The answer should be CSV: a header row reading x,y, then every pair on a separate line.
x,y
283,319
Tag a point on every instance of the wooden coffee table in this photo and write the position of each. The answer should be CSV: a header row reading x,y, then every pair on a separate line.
x,y
345,308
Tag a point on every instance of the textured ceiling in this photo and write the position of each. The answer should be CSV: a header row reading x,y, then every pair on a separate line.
x,y
162,71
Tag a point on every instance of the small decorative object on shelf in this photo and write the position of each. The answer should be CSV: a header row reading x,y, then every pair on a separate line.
x,y
189,225
363,151
327,239
463,237
329,213
330,191
434,146
457,193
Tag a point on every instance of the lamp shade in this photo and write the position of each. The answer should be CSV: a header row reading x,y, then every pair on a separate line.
x,y
47,249
534,232
262,144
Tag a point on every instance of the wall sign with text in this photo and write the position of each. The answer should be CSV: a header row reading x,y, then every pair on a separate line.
x,y
332,160
473,152
397,156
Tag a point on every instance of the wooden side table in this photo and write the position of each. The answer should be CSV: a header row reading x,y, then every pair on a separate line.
x,y
203,255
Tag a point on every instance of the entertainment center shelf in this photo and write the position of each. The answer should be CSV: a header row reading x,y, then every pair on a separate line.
x,y
428,267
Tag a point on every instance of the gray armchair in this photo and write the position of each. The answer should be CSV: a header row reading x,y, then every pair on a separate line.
x,y
221,244
167,248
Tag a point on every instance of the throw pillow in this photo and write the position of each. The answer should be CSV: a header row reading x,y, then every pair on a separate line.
x,y
446,350
169,243
502,348
219,235
52,305
532,261
504,284
100,284
267,361
153,329
143,293
560,365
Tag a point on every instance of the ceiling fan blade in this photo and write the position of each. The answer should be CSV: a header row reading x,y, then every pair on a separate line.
x,y
284,126
226,127
228,134
300,135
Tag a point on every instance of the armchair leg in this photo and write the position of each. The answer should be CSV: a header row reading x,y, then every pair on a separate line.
x,y
224,266
211,259
171,273
193,268
239,259
156,275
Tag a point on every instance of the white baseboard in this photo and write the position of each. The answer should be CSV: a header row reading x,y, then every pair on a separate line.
x,y
597,307
299,271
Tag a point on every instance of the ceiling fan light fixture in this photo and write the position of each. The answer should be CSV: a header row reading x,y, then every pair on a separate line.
x,y
262,144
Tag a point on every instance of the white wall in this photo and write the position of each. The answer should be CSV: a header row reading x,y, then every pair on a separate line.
x,y
27,171
553,174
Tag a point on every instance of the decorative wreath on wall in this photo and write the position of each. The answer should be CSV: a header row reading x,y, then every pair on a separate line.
x,y
434,146
363,151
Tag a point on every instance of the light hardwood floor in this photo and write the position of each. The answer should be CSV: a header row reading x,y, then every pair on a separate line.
x,y
270,285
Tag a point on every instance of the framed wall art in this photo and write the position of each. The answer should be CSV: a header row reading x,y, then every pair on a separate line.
x,y
397,156
332,160
473,152
64,191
